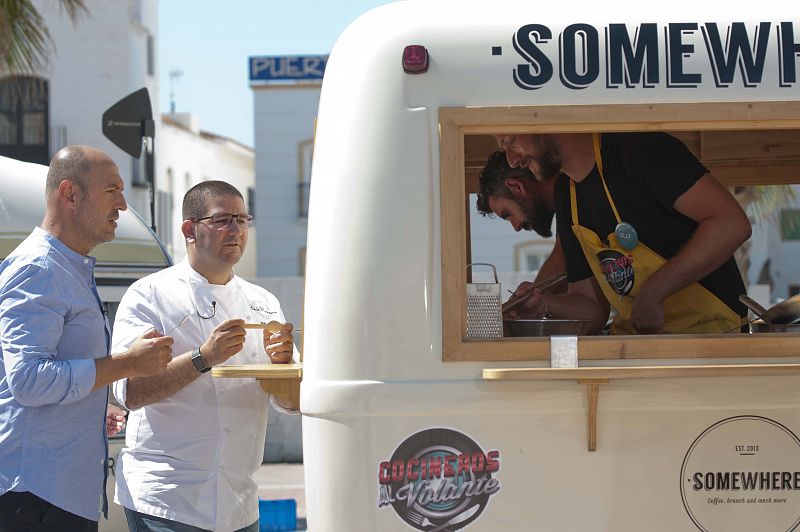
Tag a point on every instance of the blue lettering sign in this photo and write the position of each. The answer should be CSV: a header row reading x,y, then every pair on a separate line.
x,y
538,70
634,62
287,68
740,51
677,51
580,56
634,56
789,50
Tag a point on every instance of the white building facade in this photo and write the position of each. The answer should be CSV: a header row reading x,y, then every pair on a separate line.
x,y
109,53
775,250
186,156
285,99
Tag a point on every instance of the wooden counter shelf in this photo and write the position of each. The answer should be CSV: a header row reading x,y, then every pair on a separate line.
x,y
593,377
281,380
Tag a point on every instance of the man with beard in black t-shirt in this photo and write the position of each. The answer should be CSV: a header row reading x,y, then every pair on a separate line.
x,y
641,226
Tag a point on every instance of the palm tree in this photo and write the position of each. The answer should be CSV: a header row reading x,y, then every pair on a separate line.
x,y
25,41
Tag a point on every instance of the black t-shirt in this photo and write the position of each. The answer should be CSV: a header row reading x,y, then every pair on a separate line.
x,y
645,174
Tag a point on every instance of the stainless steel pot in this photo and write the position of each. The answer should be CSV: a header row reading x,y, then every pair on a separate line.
x,y
785,312
760,326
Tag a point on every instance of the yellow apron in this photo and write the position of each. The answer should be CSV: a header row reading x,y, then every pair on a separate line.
x,y
621,273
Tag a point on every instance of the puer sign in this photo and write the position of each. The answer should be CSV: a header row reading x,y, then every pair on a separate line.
x,y
287,68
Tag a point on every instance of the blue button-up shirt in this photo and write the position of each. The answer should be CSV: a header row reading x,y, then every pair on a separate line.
x,y
52,327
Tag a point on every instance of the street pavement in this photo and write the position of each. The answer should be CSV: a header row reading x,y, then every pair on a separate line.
x,y
275,481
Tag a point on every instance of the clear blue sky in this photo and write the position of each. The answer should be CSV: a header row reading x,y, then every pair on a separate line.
x,y
210,41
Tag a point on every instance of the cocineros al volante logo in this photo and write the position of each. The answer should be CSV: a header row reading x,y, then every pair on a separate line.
x,y
742,474
438,478
618,270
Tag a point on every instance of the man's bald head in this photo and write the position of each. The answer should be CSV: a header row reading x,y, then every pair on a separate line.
x,y
83,197
73,163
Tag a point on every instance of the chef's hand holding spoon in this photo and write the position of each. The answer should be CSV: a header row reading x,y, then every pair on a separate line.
x,y
225,340
534,306
278,342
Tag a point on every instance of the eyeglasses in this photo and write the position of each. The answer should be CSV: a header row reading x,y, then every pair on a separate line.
x,y
224,220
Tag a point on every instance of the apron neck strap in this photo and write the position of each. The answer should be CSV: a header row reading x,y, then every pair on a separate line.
x,y
598,160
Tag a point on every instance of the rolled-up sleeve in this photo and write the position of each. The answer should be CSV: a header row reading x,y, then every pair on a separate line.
x,y
32,315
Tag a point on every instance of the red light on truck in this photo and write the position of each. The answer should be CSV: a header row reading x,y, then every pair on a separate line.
x,y
415,59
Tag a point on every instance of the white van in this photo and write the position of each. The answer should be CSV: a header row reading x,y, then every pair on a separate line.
x,y
135,252
407,423
410,425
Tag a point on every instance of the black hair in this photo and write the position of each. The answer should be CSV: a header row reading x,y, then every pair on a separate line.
x,y
492,180
195,201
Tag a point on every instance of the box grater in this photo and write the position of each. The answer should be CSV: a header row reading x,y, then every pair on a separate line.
x,y
484,308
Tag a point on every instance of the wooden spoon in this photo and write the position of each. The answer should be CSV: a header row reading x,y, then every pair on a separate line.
x,y
543,287
272,326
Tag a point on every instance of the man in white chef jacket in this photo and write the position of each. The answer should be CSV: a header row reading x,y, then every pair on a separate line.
x,y
193,443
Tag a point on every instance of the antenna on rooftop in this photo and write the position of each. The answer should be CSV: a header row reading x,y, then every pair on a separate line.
x,y
174,75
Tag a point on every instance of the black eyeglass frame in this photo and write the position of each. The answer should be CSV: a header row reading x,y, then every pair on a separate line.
x,y
243,220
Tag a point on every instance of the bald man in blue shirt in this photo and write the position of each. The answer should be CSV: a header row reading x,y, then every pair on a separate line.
x,y
54,342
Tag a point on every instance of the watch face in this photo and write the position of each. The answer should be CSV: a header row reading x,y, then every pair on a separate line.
x,y
198,361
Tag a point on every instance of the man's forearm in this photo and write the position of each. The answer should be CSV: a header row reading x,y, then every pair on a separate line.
x,y
110,369
575,306
722,227
143,391
713,243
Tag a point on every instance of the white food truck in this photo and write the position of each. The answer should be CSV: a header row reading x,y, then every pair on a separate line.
x,y
411,423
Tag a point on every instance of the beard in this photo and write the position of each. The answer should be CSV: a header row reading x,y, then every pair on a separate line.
x,y
538,217
547,163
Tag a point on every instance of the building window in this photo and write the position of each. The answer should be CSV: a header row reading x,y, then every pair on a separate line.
x,y
165,212
251,201
790,224
529,256
137,173
305,151
151,56
24,127
58,137
164,218
302,261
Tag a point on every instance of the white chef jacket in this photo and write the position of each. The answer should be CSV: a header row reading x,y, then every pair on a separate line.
x,y
191,457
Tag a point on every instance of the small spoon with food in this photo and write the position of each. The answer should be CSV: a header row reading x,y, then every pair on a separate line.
x,y
272,326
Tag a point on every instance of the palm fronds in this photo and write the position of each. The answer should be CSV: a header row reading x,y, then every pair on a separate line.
x,y
25,41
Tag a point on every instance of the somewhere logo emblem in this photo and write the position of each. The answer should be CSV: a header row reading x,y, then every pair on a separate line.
x,y
438,479
743,474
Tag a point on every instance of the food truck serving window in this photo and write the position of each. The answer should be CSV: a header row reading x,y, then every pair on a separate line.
x,y
741,143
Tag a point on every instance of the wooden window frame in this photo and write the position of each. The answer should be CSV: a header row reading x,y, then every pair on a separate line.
x,y
456,123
